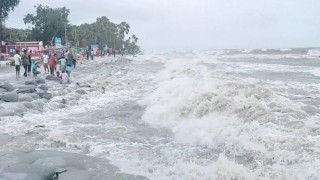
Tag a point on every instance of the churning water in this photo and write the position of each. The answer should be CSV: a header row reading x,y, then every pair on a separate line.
x,y
225,114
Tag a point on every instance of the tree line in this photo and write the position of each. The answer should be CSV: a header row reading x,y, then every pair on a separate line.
x,y
47,23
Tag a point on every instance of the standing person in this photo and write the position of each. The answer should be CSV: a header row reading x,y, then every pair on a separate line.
x,y
17,62
45,58
92,53
25,62
74,60
114,52
88,54
53,64
70,57
29,66
63,63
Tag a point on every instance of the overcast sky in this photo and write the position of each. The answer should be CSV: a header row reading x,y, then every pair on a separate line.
x,y
199,24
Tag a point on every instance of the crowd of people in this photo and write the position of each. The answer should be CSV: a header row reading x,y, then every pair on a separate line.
x,y
29,65
58,67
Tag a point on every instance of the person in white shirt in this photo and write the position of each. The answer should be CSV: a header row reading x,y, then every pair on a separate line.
x,y
45,62
64,78
17,62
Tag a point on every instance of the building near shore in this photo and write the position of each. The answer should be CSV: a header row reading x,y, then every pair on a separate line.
x,y
36,47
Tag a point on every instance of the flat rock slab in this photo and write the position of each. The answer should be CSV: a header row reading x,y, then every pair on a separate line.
x,y
81,91
40,81
26,89
3,90
31,83
10,97
24,97
43,87
45,95
8,87
49,165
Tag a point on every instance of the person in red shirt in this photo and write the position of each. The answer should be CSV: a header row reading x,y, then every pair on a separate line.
x,y
53,63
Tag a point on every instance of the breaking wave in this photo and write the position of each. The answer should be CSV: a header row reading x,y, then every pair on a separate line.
x,y
253,125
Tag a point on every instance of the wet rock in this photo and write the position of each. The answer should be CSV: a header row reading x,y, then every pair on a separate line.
x,y
8,87
43,87
45,95
10,97
50,77
53,165
2,90
29,105
24,97
83,85
48,96
6,112
26,89
34,96
40,126
40,81
31,83
81,91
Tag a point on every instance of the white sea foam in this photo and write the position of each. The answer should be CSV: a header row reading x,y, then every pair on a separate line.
x,y
285,49
224,126
314,53
256,125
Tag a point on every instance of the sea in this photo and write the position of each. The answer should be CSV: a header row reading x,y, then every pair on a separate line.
x,y
215,114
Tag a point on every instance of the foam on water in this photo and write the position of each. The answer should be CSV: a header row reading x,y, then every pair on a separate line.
x,y
195,119
259,127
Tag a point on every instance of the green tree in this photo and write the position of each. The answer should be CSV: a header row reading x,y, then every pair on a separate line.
x,y
123,29
48,23
5,7
13,35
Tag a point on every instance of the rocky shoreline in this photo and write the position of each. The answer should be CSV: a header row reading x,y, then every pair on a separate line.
x,y
54,165
21,156
21,96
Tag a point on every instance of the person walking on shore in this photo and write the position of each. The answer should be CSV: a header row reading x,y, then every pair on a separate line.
x,y
45,62
25,62
53,64
70,57
29,66
92,53
74,60
114,52
17,62
63,63
88,54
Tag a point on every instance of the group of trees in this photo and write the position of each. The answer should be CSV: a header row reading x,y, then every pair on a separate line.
x,y
48,23
103,32
5,7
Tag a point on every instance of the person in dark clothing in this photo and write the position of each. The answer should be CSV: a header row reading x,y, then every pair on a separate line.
x,y
70,57
29,66
74,62
25,62
88,54
114,52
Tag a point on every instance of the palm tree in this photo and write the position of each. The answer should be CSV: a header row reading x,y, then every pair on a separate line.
x,y
123,29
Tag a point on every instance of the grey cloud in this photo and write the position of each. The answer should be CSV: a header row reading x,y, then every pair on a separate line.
x,y
201,24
